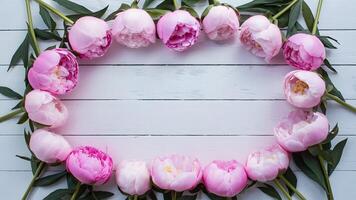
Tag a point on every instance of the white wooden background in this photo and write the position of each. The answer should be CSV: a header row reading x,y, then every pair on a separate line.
x,y
214,101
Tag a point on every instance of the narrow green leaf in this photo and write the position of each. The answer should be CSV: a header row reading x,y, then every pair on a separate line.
x,y
24,157
47,35
292,178
102,194
293,17
147,3
23,118
329,83
336,154
50,179
21,53
156,14
328,65
59,194
167,196
47,19
270,191
71,181
9,93
151,194
73,6
308,16
34,164
332,134
190,3
166,5
97,14
122,7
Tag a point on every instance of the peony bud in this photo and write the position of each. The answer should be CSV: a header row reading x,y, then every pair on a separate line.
x,y
134,28
49,147
90,37
176,173
45,109
303,89
265,165
261,37
304,51
225,178
301,129
133,177
221,23
89,165
55,71
178,30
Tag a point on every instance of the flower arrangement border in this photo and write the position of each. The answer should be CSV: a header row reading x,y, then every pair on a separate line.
x,y
317,160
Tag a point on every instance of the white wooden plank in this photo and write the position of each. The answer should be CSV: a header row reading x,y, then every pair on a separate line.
x,y
16,9
204,52
14,183
181,117
182,82
206,148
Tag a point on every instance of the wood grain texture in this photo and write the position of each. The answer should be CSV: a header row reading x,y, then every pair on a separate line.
x,y
214,101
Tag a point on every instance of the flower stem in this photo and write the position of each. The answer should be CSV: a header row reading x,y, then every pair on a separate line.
x,y
341,102
290,186
317,16
35,176
284,191
76,191
135,197
174,195
36,47
175,3
326,176
55,11
280,13
11,115
134,4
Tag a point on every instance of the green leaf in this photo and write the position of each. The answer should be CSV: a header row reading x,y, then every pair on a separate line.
x,y
328,65
332,134
147,3
9,93
329,83
34,164
336,154
270,191
73,6
50,179
326,42
310,167
47,35
71,181
293,17
151,194
97,14
23,118
47,19
59,194
156,14
102,194
292,178
122,7
190,2
308,16
166,5
188,197
21,53
24,157
167,196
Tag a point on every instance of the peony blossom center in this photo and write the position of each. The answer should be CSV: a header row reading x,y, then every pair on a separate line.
x,y
300,87
183,36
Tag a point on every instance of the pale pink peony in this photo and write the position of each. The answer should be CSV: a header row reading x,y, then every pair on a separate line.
x,y
134,28
178,30
221,23
266,164
301,129
55,71
44,108
176,173
304,51
303,89
261,37
90,37
89,165
49,147
225,178
133,177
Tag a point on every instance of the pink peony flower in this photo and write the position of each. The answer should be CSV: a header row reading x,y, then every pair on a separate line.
x,y
90,37
55,71
90,165
304,51
265,165
45,109
134,28
221,23
178,30
225,178
301,129
176,173
261,37
303,89
49,147
133,177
